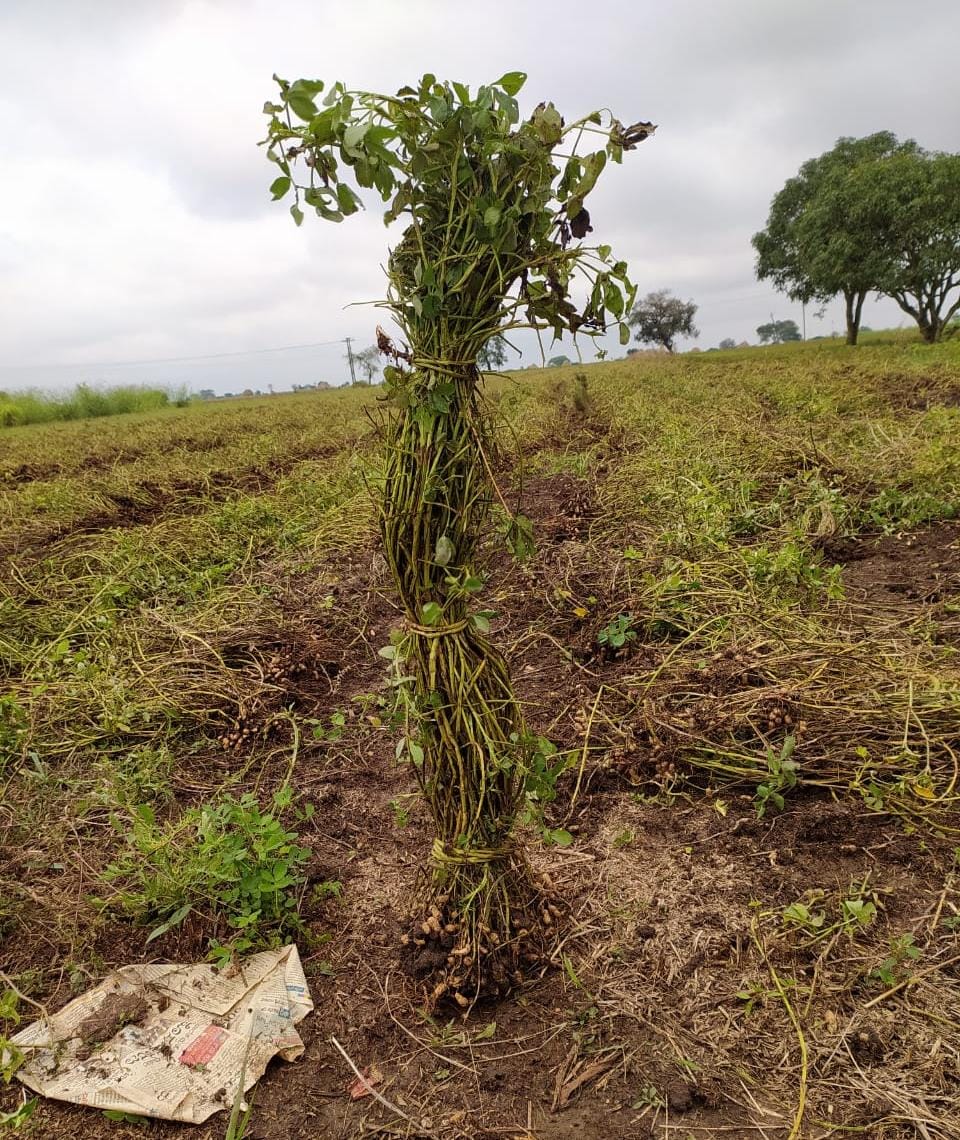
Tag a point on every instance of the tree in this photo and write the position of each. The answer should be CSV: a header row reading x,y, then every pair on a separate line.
x,y
776,332
660,319
913,199
368,362
493,220
493,355
728,342
819,240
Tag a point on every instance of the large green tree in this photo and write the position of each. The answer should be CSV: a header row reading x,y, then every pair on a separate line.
x,y
912,199
820,239
493,216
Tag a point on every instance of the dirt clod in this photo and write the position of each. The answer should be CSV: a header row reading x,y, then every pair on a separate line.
x,y
680,1095
115,1011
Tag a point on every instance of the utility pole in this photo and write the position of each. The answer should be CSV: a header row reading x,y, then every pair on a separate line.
x,y
353,375
803,310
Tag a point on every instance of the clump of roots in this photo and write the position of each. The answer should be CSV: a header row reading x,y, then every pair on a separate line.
x,y
505,928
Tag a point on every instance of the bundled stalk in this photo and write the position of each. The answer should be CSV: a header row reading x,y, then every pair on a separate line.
x,y
467,737
491,244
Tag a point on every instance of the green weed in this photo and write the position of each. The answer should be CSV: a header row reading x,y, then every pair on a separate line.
x,y
228,859
819,917
617,633
903,950
13,730
781,777
793,572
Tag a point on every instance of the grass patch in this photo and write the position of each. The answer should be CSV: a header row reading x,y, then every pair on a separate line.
x,y
85,402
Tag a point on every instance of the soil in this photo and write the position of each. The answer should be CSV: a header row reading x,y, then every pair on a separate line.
x,y
915,393
906,576
918,567
659,1014
115,1011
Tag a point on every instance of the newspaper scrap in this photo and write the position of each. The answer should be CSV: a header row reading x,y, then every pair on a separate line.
x,y
170,1041
363,1085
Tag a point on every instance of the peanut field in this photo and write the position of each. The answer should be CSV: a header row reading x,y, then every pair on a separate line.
x,y
736,635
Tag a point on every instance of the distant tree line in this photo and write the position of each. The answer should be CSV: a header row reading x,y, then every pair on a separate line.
x,y
872,215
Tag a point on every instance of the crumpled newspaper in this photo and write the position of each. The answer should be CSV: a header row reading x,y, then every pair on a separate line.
x,y
170,1041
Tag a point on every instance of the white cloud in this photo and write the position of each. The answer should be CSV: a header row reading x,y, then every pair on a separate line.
x,y
134,217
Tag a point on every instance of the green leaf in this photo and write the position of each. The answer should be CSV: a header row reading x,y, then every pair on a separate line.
x,y
431,613
297,214
624,333
560,837
512,81
444,552
146,813
175,919
348,202
301,104
491,216
309,87
13,1120
416,753
124,1117
439,108
279,187
480,622
613,299
354,134
320,198
519,537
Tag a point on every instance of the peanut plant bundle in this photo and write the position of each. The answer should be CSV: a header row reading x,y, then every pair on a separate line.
x,y
494,216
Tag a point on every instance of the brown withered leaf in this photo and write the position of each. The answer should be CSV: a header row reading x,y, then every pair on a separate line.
x,y
580,224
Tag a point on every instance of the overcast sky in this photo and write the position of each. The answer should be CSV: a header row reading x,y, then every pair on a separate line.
x,y
135,222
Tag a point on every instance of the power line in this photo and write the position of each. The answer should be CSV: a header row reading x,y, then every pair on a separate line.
x,y
181,359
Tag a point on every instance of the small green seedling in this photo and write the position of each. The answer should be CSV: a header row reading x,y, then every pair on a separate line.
x,y
332,731
857,912
903,950
648,1097
328,889
781,776
401,813
617,633
800,915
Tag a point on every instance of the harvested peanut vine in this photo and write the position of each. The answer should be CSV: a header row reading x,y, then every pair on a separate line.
x,y
494,216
